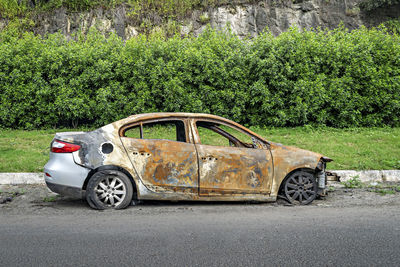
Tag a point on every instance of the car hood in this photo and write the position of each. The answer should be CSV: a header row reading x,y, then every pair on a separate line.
x,y
295,149
288,158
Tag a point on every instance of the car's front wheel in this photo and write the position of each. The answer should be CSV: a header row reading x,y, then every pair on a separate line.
x,y
300,188
109,189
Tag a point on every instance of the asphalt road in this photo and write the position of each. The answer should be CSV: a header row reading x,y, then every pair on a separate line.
x,y
203,235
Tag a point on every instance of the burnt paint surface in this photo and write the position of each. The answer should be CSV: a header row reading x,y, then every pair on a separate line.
x,y
164,165
234,170
91,154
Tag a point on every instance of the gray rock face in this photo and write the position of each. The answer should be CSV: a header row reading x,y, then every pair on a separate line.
x,y
251,19
68,23
244,18
241,19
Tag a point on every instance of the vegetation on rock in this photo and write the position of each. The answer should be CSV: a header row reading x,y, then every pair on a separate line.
x,y
165,8
369,5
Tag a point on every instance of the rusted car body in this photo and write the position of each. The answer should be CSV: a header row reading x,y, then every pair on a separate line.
x,y
186,168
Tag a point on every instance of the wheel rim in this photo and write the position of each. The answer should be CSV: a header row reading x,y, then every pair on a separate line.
x,y
111,191
300,188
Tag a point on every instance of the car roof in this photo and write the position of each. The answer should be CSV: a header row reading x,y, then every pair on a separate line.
x,y
156,115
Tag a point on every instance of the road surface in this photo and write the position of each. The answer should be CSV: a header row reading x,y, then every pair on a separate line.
x,y
68,233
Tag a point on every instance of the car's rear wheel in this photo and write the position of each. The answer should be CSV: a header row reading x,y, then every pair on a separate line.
x,y
300,188
109,189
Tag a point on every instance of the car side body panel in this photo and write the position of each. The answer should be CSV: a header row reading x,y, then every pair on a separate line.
x,y
168,170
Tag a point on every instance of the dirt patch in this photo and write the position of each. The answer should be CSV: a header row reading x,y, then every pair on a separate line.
x,y
37,199
339,196
33,198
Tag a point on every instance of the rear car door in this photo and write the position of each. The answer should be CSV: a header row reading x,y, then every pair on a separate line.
x,y
162,155
228,164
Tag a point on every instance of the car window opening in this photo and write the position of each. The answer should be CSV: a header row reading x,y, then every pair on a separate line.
x,y
216,140
164,130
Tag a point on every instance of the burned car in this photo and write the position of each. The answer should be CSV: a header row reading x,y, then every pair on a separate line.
x,y
180,156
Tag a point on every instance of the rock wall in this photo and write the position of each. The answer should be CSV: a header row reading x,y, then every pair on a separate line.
x,y
245,18
253,19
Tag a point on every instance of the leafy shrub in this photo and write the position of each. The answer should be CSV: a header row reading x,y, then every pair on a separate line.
x,y
354,182
335,78
12,8
393,26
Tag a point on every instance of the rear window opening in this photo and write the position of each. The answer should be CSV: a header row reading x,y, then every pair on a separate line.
x,y
167,130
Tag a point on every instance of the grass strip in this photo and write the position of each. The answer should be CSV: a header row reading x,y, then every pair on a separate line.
x,y
351,149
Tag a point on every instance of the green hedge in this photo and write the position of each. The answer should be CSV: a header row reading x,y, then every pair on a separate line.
x,y
335,78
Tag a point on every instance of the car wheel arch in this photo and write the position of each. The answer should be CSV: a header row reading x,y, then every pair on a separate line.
x,y
111,167
282,182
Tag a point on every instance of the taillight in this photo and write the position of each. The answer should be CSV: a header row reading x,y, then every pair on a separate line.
x,y
63,147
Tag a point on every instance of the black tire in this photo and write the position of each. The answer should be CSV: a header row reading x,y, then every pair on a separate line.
x,y
109,189
300,188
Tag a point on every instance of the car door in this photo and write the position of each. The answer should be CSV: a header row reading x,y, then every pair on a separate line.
x,y
162,155
229,165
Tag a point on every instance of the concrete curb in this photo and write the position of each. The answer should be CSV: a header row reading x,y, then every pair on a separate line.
x,y
15,178
370,176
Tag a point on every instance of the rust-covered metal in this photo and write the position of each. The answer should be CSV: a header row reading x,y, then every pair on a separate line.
x,y
225,170
179,170
164,165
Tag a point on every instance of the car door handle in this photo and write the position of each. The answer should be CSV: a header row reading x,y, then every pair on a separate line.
x,y
141,153
209,158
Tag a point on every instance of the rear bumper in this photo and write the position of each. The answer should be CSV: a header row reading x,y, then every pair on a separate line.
x,y
66,190
66,177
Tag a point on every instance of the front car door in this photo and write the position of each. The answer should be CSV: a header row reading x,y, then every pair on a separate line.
x,y
162,155
231,161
